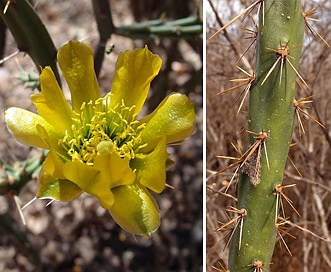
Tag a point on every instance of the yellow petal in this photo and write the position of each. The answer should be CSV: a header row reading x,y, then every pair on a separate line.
x,y
151,168
135,69
51,141
135,210
51,104
53,165
77,65
59,189
23,125
173,118
113,170
85,176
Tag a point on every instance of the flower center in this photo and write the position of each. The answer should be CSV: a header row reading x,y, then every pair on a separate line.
x,y
99,129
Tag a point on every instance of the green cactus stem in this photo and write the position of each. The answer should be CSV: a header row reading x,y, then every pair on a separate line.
x,y
182,28
30,34
271,119
14,178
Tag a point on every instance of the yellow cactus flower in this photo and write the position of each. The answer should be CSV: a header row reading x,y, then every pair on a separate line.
x,y
96,144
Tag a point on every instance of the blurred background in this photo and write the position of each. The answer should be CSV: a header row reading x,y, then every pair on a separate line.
x,y
311,154
80,235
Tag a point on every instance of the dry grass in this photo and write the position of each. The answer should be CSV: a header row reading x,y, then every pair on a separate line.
x,y
311,155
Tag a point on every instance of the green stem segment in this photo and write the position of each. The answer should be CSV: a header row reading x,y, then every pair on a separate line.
x,y
271,110
182,28
30,34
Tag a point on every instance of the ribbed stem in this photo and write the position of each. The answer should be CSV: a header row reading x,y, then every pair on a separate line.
x,y
30,34
270,110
